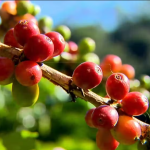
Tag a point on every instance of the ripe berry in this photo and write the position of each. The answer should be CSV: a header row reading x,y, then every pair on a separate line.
x,y
39,48
58,41
87,75
25,95
111,63
128,70
28,73
9,39
126,131
73,47
6,68
105,116
25,29
117,86
135,103
105,140
88,118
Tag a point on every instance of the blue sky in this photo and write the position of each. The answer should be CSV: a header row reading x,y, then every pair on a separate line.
x,y
91,12
104,13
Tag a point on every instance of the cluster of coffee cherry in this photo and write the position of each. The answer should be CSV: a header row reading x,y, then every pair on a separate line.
x,y
36,48
113,127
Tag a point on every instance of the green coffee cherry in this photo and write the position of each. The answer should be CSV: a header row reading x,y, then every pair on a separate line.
x,y
45,24
25,95
64,31
24,7
92,57
86,45
36,10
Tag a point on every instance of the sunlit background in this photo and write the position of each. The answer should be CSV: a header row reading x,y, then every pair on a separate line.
x,y
118,27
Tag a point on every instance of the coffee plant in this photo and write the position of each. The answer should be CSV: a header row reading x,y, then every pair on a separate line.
x,y
31,50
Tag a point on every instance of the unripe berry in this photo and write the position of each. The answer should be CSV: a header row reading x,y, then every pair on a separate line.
x,y
135,103
28,73
128,70
87,75
111,63
117,86
126,131
105,140
25,96
88,118
105,116
25,29
39,48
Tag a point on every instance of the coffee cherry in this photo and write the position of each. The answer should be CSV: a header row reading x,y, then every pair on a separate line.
x,y
135,103
145,81
9,7
87,75
24,7
6,68
105,116
9,39
64,31
39,48
25,29
88,118
36,10
90,57
26,17
25,95
86,45
58,41
127,130
45,24
111,63
128,70
28,73
73,47
105,140
117,86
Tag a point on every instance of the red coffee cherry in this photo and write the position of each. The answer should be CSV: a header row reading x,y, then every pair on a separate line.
x,y
28,73
87,75
25,29
39,48
105,140
135,103
88,118
111,63
128,70
126,131
58,41
105,116
117,86
9,39
6,68
73,47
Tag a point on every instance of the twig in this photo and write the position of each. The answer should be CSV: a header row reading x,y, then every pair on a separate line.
x,y
66,83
